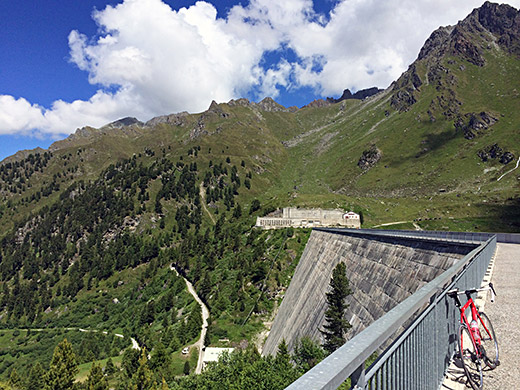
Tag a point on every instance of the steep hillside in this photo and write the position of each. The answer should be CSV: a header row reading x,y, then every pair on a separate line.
x,y
94,227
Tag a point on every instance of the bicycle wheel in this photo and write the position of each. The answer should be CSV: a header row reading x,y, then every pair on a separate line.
x,y
469,357
489,341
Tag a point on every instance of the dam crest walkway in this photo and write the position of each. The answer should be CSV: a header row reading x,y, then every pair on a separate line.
x,y
505,316
420,330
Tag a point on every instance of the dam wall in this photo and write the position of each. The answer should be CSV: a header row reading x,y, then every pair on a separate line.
x,y
382,272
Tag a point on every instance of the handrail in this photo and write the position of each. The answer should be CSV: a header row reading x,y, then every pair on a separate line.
x,y
349,360
513,238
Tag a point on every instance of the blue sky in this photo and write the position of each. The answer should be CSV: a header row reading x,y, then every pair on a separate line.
x,y
65,64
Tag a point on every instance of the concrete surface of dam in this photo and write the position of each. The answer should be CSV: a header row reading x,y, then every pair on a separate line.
x,y
382,271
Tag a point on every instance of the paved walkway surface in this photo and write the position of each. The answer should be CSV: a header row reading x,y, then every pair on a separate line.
x,y
505,316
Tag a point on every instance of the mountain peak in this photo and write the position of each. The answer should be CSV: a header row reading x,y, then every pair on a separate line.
x,y
127,121
492,26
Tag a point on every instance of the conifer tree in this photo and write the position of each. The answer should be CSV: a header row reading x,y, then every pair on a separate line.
x,y
96,379
63,368
15,381
283,357
336,326
110,368
143,377
307,353
36,377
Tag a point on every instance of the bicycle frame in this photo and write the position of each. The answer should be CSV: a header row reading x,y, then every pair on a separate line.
x,y
476,317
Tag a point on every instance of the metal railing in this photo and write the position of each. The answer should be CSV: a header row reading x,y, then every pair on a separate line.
x,y
467,237
471,237
419,356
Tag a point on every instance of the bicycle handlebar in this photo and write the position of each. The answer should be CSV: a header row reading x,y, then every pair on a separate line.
x,y
453,293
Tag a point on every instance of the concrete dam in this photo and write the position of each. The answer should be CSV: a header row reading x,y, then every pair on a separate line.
x,y
382,272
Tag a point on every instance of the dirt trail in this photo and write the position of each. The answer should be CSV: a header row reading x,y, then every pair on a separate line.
x,y
203,202
205,315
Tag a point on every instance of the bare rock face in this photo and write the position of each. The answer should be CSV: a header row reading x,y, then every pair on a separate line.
x,y
436,42
465,48
503,21
369,158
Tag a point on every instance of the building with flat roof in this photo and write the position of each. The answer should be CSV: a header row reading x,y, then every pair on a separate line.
x,y
211,354
303,218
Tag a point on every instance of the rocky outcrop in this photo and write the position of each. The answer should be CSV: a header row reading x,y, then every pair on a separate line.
x,y
239,102
492,152
179,119
503,21
269,105
436,42
369,158
214,110
406,89
128,121
382,272
471,124
319,103
359,95
445,104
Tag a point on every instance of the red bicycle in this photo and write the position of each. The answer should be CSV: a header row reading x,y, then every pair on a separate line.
x,y
476,340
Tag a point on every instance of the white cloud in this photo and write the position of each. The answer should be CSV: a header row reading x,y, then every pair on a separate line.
x,y
18,115
149,59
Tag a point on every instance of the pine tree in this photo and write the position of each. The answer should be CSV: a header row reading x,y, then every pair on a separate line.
x,y
110,368
96,379
143,377
36,377
307,353
337,325
63,368
15,381
283,357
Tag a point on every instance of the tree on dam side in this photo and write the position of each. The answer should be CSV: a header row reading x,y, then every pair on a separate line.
x,y
336,326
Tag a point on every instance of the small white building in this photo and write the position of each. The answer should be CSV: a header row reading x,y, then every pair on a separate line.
x,y
211,354
302,218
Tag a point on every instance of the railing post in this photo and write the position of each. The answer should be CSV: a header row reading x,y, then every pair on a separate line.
x,y
357,379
